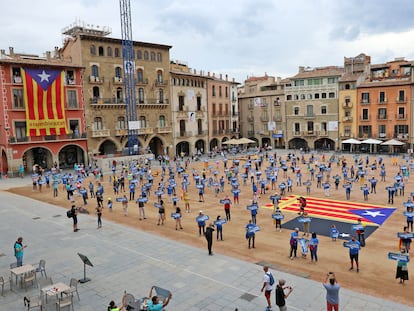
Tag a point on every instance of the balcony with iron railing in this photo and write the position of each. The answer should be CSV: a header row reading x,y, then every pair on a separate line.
x,y
382,101
107,101
159,83
264,118
141,82
382,117
118,80
164,129
297,133
347,105
365,101
202,133
401,117
364,118
277,118
100,133
184,134
250,133
309,116
96,79
322,133
250,118
44,139
401,136
309,133
347,119
401,100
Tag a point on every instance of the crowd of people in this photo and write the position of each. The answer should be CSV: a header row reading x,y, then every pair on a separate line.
x,y
176,181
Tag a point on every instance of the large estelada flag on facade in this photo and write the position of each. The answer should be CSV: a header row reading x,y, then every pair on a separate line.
x,y
45,101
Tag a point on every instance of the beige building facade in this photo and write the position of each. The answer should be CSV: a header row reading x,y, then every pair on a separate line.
x,y
189,110
262,111
312,108
103,91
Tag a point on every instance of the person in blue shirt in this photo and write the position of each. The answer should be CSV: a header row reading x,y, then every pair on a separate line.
x,y
262,187
219,228
313,247
410,219
294,236
250,234
154,303
289,185
201,223
373,182
334,233
348,187
131,191
354,253
253,212
254,188
391,193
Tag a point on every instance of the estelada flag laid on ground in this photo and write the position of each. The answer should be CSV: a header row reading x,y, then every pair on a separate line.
x,y
45,101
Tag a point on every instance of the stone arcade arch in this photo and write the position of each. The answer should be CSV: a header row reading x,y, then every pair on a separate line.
x,y
297,143
324,144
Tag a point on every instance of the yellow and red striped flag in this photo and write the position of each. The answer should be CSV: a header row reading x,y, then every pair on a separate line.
x,y
45,101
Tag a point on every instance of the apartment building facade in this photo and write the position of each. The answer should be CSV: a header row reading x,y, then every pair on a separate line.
x,y
105,110
312,108
385,102
220,100
42,112
262,113
356,69
189,110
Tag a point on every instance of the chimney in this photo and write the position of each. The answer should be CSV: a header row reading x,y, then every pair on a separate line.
x,y
11,51
221,76
2,52
227,78
195,71
208,73
48,55
214,74
301,69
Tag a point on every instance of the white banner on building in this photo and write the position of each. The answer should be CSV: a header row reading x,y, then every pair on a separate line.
x,y
191,117
257,102
134,125
271,126
191,96
129,66
332,125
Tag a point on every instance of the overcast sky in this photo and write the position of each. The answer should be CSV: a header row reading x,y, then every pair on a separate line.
x,y
239,37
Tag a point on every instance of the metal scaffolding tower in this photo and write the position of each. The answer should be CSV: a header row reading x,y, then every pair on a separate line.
x,y
129,76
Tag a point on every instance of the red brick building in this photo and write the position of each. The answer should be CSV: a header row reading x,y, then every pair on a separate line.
x,y
41,113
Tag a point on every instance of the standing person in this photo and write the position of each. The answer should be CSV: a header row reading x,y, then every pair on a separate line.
x,y
161,213
268,282
201,223
141,209
178,219
109,204
332,292
125,205
227,204
91,189
253,213
354,253
219,228
74,213
281,296
250,234
99,213
19,251
313,247
278,220
294,236
302,205
410,218
361,233
402,268
187,201
209,237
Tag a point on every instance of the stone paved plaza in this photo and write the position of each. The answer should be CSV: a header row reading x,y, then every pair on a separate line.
x,y
132,260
